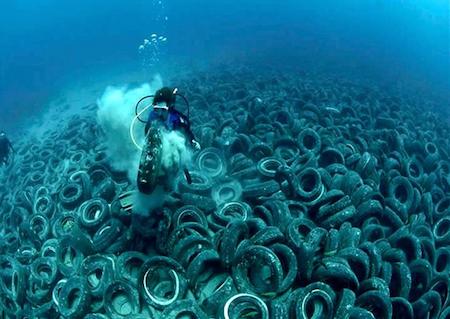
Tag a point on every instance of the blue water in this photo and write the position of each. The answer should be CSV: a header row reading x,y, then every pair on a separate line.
x,y
45,44
315,143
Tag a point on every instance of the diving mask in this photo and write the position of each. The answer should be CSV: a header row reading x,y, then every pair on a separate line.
x,y
161,106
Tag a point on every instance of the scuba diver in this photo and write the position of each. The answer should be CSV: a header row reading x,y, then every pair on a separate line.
x,y
164,111
163,115
166,151
5,148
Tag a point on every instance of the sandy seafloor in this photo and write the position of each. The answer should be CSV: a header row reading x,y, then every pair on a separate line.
x,y
312,197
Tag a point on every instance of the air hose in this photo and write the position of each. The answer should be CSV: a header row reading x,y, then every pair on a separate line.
x,y
133,123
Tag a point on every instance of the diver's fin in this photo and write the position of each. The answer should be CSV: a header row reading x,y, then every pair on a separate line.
x,y
188,176
126,201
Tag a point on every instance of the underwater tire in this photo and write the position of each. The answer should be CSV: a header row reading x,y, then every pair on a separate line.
x,y
154,293
309,141
71,195
74,298
226,190
150,162
183,309
99,272
71,252
93,212
210,161
316,299
243,303
121,299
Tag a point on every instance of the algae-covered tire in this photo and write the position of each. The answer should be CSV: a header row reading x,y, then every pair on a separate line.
x,y
149,165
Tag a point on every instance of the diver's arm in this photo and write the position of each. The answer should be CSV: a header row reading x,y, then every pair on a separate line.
x,y
194,143
189,134
184,122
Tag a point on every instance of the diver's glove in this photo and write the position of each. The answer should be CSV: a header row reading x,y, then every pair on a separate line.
x,y
196,145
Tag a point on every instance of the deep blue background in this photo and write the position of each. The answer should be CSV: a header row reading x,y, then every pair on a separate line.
x,y
45,44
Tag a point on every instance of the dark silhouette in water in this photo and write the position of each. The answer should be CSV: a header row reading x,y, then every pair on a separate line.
x,y
5,148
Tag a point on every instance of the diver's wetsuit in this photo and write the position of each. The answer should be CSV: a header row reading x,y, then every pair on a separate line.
x,y
174,121
5,148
